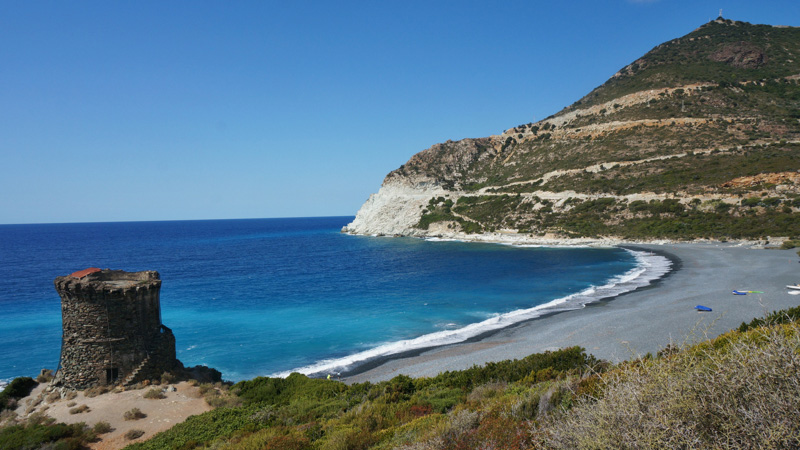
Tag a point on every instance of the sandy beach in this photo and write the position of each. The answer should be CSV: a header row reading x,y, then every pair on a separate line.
x,y
633,324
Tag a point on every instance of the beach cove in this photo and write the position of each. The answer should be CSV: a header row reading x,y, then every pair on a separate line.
x,y
636,323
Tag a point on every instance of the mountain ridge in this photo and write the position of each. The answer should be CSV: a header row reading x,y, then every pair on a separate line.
x,y
671,130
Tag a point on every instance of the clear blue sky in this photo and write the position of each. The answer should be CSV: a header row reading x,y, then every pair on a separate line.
x,y
164,110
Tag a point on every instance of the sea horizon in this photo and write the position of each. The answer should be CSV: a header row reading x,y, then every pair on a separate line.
x,y
295,294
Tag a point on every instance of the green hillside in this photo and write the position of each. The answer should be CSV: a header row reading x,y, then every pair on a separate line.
x,y
710,120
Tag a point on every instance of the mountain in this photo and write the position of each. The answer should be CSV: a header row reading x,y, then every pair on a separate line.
x,y
698,138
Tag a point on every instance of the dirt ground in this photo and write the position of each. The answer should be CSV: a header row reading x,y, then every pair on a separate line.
x,y
182,400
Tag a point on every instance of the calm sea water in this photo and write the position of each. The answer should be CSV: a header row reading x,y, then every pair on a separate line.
x,y
268,296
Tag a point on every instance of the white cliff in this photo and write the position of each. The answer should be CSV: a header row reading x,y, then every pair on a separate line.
x,y
395,209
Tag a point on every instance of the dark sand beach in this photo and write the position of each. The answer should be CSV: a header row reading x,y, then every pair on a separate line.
x,y
635,323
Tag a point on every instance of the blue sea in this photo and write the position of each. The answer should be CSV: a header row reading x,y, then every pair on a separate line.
x,y
271,296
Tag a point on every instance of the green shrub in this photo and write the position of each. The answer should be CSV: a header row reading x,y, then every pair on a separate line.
x,y
790,244
58,436
102,427
773,318
279,391
16,389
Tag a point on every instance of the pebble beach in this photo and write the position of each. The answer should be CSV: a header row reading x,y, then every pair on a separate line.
x,y
636,323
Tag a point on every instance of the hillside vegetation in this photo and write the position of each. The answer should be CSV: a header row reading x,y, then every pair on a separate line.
x,y
698,138
740,390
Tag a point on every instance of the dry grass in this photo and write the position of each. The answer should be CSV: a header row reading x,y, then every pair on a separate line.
x,y
96,390
134,434
45,376
154,394
739,391
53,397
79,409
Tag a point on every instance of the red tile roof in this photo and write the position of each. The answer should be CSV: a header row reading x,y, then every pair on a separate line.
x,y
84,272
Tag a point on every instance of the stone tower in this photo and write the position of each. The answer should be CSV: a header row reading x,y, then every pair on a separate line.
x,y
112,329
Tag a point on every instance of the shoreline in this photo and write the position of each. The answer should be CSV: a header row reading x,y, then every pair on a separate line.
x,y
616,328
649,266
369,365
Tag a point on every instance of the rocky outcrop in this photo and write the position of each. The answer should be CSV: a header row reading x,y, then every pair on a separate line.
x,y
396,208
742,55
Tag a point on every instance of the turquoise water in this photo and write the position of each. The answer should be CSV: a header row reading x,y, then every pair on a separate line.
x,y
268,296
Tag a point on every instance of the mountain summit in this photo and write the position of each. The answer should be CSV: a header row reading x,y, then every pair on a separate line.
x,y
698,138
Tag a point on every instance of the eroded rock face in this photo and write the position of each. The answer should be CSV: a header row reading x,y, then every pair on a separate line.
x,y
396,208
742,55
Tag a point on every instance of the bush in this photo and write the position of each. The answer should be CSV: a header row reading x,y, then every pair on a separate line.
x,y
774,318
41,436
154,394
18,388
790,244
102,427
45,377
133,434
134,414
706,397
79,409
168,378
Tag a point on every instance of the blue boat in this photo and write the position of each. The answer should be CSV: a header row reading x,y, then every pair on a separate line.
x,y
702,308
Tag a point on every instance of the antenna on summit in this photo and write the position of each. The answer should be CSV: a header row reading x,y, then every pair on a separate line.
x,y
720,13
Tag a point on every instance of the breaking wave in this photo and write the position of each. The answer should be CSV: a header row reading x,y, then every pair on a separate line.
x,y
649,267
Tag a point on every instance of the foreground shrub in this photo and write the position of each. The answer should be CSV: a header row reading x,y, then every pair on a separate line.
x,y
102,427
744,394
200,429
154,394
774,318
40,436
134,414
133,434
18,388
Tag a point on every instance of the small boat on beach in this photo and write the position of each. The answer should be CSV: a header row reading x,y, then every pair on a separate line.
x,y
735,292
702,308
793,286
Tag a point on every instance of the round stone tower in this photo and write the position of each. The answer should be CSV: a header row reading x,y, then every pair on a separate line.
x,y
112,331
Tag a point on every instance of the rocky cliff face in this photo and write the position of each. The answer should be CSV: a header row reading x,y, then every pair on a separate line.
x,y
658,151
398,206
